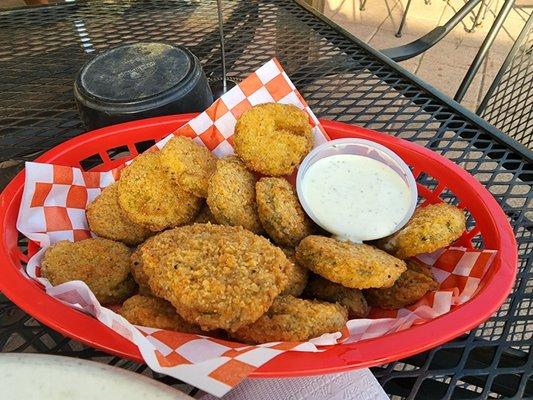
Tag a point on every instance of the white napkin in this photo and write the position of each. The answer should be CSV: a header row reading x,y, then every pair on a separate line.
x,y
353,385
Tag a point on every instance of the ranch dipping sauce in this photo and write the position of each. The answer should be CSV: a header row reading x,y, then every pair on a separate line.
x,y
355,197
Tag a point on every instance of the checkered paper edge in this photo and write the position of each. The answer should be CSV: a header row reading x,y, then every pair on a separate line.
x,y
53,209
214,127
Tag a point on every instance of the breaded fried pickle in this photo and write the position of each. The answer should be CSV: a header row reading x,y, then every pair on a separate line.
x,y
294,320
138,274
352,299
430,228
216,276
189,164
104,265
273,138
280,212
150,198
154,312
231,195
106,219
296,275
297,279
357,266
409,288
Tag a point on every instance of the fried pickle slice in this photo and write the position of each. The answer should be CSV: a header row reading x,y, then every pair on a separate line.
x,y
273,138
356,266
189,164
231,195
353,299
430,228
215,276
294,320
104,265
106,219
410,287
150,198
154,312
280,212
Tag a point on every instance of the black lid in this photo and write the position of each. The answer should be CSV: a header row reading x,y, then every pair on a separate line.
x,y
135,77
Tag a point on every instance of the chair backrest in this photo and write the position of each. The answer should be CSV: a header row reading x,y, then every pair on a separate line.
x,y
508,104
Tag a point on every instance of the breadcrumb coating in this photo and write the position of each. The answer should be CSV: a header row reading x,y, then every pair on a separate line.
x,y
189,164
104,265
273,138
430,228
216,276
294,320
357,266
280,212
150,198
231,195
106,219
352,299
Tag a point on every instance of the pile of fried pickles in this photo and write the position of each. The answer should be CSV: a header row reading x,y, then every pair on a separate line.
x,y
188,242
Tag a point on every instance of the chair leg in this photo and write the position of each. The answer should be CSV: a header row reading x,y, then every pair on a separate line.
x,y
362,5
404,17
486,10
478,19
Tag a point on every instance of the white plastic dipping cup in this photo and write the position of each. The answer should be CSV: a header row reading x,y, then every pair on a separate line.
x,y
356,189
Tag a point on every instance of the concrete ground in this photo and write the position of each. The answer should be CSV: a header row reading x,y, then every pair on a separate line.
x,y
444,65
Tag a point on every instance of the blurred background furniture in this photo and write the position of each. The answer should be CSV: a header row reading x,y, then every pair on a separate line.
x,y
508,101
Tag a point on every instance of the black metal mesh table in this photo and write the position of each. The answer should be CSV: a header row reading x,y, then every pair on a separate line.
x,y
41,50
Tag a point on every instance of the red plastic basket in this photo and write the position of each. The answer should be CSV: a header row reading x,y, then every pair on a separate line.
x,y
490,222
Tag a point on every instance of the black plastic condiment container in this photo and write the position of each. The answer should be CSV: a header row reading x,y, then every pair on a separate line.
x,y
139,81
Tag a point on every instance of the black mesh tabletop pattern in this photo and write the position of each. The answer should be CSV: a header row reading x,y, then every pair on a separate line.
x,y
41,49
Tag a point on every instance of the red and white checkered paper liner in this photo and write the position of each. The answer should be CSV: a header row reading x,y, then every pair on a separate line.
x,y
53,208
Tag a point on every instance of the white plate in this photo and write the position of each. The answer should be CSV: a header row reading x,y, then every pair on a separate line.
x,y
45,377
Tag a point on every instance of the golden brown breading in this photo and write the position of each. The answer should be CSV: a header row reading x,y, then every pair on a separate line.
x,y
280,212
296,279
216,276
138,274
294,320
273,138
154,312
150,198
204,216
297,275
408,289
189,164
104,265
357,266
352,299
106,219
231,195
430,228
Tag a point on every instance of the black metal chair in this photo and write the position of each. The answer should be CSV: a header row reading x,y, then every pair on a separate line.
x,y
477,20
508,102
